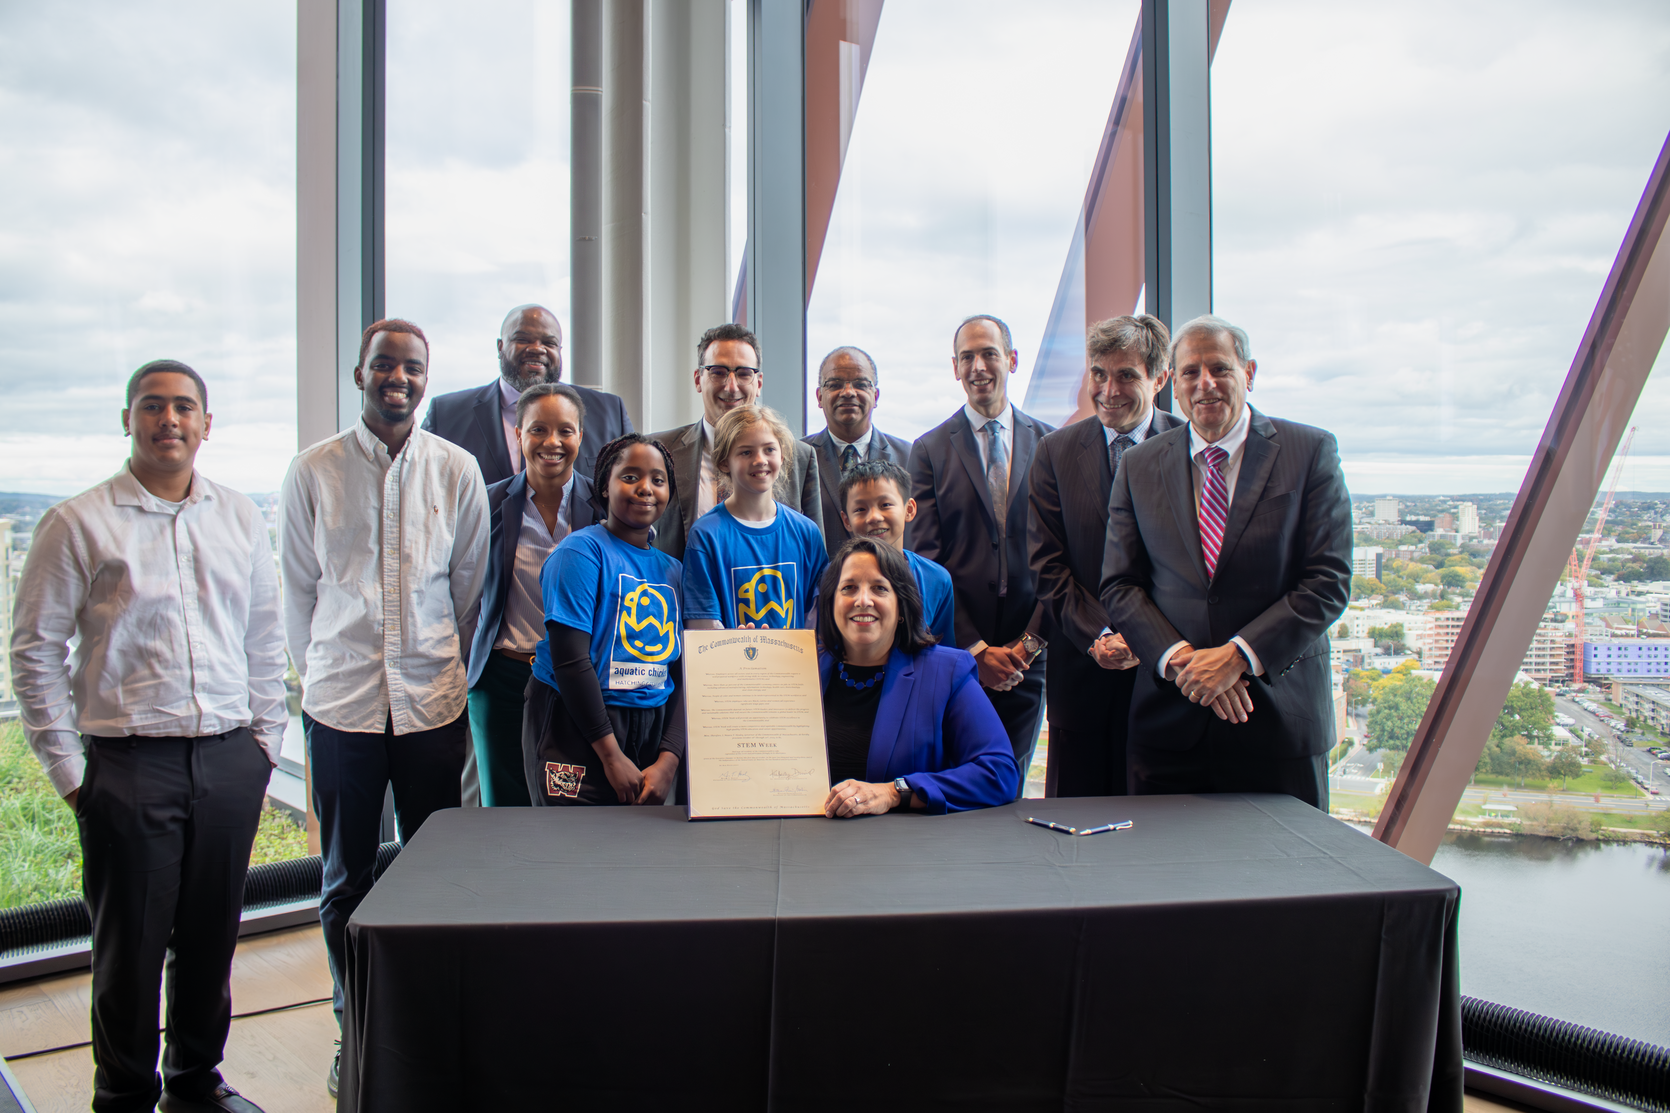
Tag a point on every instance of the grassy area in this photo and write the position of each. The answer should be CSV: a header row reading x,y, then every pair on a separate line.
x,y
40,851
1356,805
1592,781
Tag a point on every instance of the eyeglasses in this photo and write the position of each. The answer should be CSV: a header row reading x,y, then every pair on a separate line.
x,y
718,372
836,386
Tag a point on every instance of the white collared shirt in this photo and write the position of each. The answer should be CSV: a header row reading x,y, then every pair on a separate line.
x,y
175,608
978,421
1137,435
862,444
523,627
508,397
1233,442
707,495
383,565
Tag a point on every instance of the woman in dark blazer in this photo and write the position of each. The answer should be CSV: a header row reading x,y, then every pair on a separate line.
x,y
905,721
530,513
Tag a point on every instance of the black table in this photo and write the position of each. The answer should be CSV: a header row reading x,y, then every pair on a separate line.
x,y
1228,952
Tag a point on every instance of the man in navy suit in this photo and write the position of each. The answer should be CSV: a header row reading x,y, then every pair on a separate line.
x,y
482,420
848,390
968,477
1091,669
1228,560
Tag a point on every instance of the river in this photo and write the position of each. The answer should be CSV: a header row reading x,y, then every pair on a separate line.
x,y
1575,930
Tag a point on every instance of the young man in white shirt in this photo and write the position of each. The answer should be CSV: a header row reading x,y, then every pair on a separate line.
x,y
384,541
160,731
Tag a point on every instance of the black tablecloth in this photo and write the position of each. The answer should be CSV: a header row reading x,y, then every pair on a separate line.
x,y
1228,952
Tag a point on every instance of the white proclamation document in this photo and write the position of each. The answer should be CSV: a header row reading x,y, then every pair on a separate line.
x,y
754,713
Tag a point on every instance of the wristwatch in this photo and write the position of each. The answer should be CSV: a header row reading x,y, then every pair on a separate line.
x,y
902,787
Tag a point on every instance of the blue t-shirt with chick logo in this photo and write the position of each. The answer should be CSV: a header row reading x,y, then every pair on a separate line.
x,y
629,599
739,573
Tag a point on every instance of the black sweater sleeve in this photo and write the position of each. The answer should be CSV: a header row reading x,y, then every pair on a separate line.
x,y
672,734
576,677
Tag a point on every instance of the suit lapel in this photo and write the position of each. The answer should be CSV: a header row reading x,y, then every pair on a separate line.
x,y
491,426
1095,464
689,460
510,521
1258,460
828,475
962,443
890,741
583,513
1180,492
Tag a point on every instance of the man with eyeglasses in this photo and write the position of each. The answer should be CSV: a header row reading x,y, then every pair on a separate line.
x,y
727,375
848,390
482,419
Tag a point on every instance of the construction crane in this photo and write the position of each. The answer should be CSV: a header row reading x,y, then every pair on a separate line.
x,y
1580,569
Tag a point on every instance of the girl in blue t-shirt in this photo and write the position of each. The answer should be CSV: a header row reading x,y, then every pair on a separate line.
x,y
603,723
752,562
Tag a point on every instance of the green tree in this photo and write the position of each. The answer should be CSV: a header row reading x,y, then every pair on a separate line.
x,y
1529,713
1512,757
1443,605
1566,765
1656,568
1359,686
1343,630
1391,635
1364,586
1439,548
1452,578
1400,700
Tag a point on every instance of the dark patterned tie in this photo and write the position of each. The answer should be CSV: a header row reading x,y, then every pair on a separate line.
x,y
849,457
1116,450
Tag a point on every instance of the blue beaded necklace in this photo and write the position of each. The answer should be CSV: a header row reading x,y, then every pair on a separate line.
x,y
851,683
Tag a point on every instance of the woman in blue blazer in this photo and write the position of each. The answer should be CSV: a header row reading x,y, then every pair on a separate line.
x,y
529,513
905,721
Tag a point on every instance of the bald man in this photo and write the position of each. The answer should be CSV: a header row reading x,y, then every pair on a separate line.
x,y
848,390
482,420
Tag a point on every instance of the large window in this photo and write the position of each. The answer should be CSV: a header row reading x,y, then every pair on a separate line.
x,y
1416,254
968,158
477,173
147,173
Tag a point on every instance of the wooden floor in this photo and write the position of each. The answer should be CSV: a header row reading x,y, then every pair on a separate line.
x,y
277,1059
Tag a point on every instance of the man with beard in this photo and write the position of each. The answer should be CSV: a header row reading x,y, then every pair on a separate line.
x,y
384,536
728,375
482,420
848,390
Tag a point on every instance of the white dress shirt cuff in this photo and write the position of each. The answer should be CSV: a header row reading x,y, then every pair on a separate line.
x,y
66,775
1165,658
272,744
1257,668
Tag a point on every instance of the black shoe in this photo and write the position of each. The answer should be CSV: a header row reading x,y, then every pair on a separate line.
x,y
336,1070
223,1100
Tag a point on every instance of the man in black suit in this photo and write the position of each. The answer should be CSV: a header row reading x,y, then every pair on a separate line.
x,y
848,390
1228,560
482,420
968,477
1091,669
728,375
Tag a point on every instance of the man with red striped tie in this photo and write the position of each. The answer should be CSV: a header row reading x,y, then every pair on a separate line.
x,y
1228,560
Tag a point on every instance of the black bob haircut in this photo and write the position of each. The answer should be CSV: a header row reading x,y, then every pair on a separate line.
x,y
911,636
172,365
875,471
610,455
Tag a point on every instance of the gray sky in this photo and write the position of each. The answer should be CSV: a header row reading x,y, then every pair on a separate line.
x,y
1414,227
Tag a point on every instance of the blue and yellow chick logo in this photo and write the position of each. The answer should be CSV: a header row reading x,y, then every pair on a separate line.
x,y
765,593
649,622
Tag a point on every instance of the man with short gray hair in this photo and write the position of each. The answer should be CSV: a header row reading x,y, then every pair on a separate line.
x,y
1228,560
849,389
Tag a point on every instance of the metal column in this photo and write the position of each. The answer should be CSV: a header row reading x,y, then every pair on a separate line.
x,y
585,205
777,200
1177,159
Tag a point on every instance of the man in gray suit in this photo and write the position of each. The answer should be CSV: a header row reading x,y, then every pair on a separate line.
x,y
1228,560
1091,670
728,375
848,390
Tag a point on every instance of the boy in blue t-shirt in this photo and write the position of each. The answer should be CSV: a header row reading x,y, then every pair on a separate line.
x,y
876,503
752,561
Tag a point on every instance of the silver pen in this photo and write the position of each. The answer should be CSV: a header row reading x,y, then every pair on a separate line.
x,y
1123,825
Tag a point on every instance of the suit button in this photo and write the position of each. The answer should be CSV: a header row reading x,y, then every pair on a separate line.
x,y
1211,598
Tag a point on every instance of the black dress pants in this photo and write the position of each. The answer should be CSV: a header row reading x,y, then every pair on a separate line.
x,y
1021,709
166,826
351,772
1089,760
1208,768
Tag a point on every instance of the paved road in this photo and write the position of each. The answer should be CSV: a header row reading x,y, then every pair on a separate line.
x,y
1633,758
